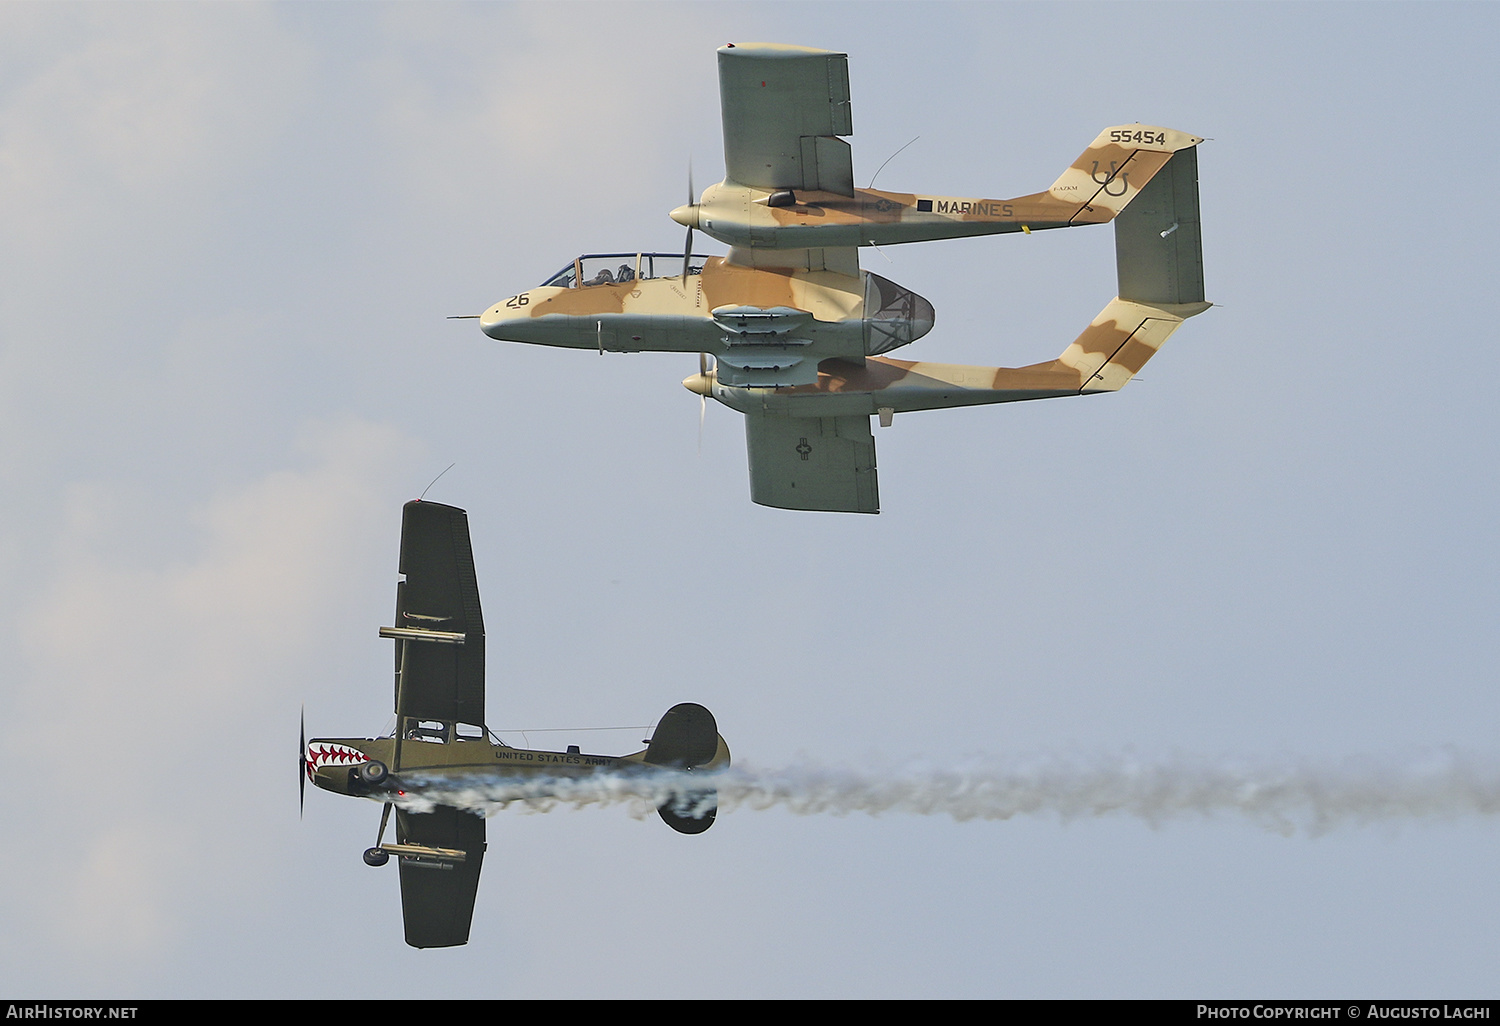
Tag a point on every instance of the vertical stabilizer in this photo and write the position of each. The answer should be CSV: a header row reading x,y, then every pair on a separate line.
x,y
1158,240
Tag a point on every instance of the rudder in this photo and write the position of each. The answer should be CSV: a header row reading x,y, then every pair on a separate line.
x,y
685,738
1158,238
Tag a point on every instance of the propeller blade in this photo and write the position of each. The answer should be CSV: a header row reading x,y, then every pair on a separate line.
x,y
687,250
703,363
302,766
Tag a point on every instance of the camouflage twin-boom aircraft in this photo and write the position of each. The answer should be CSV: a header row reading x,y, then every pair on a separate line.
x,y
441,742
797,330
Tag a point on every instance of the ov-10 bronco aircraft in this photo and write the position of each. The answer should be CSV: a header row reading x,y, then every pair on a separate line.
x,y
440,739
797,332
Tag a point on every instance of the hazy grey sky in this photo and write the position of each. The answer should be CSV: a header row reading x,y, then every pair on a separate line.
x,y
229,235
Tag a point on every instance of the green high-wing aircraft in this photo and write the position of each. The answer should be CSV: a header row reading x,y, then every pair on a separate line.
x,y
798,332
441,741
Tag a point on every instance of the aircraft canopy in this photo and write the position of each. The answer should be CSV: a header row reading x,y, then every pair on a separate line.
x,y
618,268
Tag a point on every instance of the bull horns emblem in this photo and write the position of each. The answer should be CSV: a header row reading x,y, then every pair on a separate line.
x,y
1109,179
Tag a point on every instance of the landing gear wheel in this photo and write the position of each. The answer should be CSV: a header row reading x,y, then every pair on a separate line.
x,y
376,857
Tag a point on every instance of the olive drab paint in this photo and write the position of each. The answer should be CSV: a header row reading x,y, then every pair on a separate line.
x,y
440,741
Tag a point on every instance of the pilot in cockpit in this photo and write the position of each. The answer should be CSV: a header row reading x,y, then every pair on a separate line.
x,y
626,273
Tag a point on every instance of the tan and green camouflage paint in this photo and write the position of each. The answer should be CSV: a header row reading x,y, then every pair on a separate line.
x,y
668,314
676,315
1095,188
1109,352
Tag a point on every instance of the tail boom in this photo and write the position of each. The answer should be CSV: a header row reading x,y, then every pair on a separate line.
x,y
1094,189
1109,352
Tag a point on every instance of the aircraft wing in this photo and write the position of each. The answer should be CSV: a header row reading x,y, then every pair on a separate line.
x,y
438,677
437,896
784,108
817,463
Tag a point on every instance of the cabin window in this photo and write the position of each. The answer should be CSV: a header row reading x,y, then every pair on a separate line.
x,y
427,730
622,269
564,279
443,731
608,270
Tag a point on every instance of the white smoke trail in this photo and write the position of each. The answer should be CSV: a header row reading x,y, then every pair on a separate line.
x,y
1282,795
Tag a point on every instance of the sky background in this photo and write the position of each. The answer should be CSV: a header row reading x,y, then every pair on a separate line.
x,y
229,236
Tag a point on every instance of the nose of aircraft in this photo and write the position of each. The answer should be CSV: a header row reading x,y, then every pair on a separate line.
x,y
492,321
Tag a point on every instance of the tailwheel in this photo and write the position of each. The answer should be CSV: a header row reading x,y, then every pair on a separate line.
x,y
376,857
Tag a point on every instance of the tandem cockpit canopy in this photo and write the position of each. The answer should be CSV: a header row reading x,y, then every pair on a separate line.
x,y
620,268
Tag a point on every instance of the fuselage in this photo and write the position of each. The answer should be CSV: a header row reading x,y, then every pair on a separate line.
x,y
766,326
740,215
755,213
332,763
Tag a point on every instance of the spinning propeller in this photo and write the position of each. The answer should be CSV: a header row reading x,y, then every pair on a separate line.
x,y
687,214
703,384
